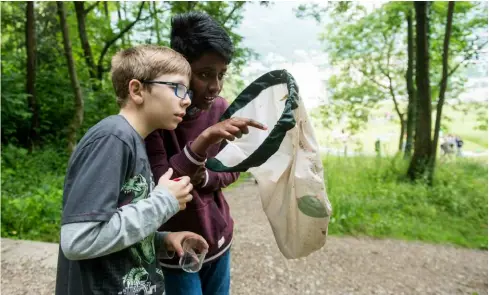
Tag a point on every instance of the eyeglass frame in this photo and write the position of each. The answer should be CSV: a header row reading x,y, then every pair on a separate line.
x,y
189,92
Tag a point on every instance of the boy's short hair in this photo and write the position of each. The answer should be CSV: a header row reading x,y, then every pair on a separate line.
x,y
196,33
144,62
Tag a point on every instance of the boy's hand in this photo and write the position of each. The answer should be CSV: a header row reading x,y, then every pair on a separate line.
x,y
228,129
173,241
180,188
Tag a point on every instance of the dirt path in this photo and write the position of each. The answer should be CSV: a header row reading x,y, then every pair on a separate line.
x,y
343,266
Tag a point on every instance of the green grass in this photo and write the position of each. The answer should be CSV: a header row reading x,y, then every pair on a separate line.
x,y
371,197
242,178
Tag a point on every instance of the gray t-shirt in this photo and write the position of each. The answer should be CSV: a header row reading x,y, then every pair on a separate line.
x,y
109,169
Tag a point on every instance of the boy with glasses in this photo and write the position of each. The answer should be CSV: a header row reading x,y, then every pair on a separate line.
x,y
109,243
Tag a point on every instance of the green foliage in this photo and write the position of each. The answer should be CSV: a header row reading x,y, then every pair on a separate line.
x,y
368,51
103,27
228,14
32,183
318,11
369,198
233,85
32,193
15,113
469,18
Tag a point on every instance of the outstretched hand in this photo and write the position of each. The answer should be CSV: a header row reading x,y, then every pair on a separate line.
x,y
229,129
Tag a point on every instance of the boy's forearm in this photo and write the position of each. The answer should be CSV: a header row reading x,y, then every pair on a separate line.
x,y
218,180
200,144
129,225
184,163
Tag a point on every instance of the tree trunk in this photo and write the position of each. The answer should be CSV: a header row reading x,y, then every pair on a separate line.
x,y
403,132
30,37
119,18
411,112
443,85
124,9
78,114
126,39
423,145
157,23
106,9
87,51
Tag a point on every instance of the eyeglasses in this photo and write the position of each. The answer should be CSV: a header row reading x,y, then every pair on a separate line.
x,y
181,90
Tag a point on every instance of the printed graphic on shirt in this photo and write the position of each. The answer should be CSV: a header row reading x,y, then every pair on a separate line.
x,y
137,280
137,189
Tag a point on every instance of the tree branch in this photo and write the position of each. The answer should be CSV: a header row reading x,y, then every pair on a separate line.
x,y
236,6
89,8
387,74
113,40
396,104
468,56
364,73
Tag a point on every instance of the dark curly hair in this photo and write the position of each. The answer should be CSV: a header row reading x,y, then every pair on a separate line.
x,y
196,33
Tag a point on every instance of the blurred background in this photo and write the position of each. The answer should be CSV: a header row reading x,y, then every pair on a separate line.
x,y
397,92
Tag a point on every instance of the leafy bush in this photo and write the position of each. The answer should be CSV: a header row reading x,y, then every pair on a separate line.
x,y
32,188
370,196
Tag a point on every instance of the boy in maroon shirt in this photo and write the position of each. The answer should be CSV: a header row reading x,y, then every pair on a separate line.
x,y
209,50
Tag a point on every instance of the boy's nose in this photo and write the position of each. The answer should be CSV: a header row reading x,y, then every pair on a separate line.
x,y
186,102
214,87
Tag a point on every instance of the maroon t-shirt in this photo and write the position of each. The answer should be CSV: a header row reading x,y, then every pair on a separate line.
x,y
208,213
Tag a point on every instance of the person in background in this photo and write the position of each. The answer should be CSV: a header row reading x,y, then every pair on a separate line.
x,y
460,143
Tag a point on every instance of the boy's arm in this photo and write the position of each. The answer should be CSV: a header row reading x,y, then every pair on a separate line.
x,y
92,223
216,180
129,225
184,163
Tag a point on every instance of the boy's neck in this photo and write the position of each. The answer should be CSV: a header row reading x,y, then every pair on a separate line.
x,y
135,121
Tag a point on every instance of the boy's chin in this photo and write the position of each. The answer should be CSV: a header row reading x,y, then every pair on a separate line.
x,y
171,126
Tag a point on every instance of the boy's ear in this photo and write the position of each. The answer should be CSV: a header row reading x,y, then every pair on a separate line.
x,y
135,91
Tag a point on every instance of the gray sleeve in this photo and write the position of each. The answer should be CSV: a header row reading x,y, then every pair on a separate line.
x,y
95,176
129,225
